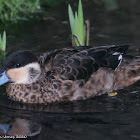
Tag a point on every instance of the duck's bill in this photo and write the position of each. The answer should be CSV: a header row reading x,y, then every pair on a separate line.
x,y
3,78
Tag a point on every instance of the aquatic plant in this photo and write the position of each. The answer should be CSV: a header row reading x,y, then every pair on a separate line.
x,y
80,31
2,47
3,42
16,9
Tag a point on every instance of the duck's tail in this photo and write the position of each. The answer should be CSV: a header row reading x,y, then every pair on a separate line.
x,y
128,72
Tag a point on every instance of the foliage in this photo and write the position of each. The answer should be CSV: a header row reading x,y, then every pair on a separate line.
x,y
77,25
3,42
2,47
11,10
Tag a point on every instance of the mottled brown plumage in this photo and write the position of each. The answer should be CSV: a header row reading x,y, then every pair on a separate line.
x,y
71,74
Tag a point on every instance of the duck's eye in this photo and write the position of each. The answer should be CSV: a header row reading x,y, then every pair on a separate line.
x,y
18,65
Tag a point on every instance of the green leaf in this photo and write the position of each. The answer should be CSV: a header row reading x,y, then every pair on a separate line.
x,y
81,23
71,18
80,12
3,42
77,24
0,39
76,29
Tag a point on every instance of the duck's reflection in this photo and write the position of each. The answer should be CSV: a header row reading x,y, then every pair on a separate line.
x,y
20,128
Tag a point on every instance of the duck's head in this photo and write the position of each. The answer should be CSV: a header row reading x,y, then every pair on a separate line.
x,y
20,67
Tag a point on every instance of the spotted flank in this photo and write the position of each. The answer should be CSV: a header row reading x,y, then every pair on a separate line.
x,y
68,74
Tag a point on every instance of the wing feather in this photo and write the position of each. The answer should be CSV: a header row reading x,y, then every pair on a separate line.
x,y
80,63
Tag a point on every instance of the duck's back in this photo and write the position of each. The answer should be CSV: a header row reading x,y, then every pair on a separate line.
x,y
79,63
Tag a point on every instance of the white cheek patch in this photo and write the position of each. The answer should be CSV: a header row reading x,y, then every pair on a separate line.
x,y
36,68
22,75
18,75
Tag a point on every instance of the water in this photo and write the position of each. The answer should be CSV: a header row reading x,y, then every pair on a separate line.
x,y
98,118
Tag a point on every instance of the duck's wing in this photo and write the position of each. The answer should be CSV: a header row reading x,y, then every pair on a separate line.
x,y
80,62
48,58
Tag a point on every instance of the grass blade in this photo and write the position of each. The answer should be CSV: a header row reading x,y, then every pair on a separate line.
x,y
76,29
71,18
0,39
3,42
81,23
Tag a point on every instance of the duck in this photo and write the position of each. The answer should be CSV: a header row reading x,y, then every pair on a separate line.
x,y
68,74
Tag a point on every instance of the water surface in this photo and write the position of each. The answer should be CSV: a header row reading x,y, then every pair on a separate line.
x,y
98,118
